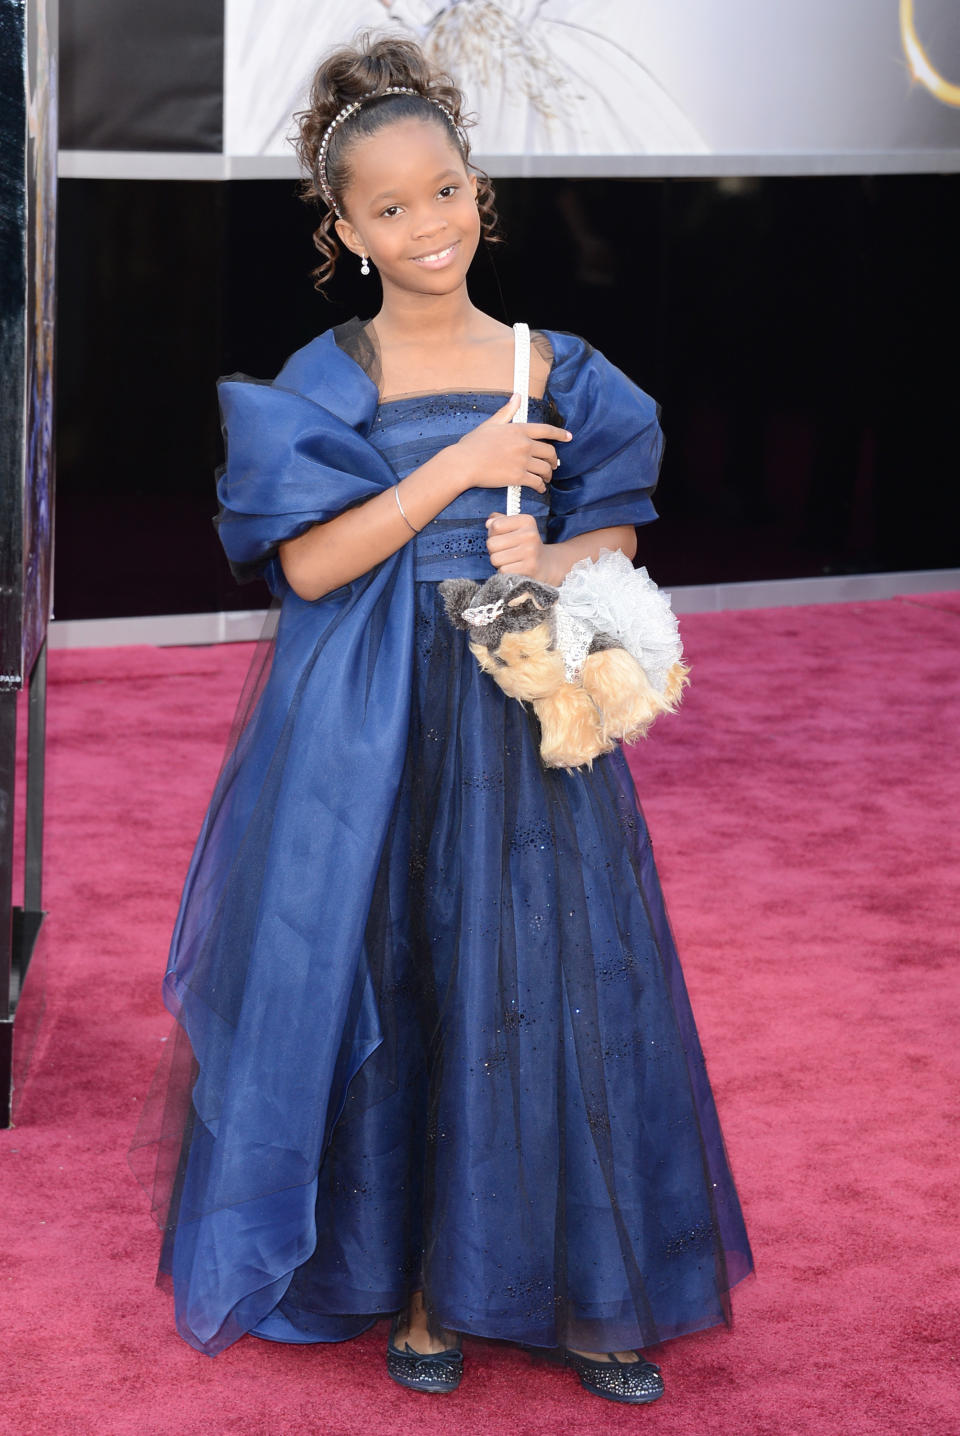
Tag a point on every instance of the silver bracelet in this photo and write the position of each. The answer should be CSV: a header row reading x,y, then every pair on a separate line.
x,y
396,494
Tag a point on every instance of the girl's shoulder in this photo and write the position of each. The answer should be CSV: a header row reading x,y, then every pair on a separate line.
x,y
342,364
574,363
542,359
333,374
589,389
561,348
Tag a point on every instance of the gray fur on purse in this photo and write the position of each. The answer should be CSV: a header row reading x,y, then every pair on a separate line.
x,y
588,689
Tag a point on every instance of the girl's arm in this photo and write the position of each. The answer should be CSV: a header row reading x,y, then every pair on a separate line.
x,y
494,454
515,546
336,552
559,558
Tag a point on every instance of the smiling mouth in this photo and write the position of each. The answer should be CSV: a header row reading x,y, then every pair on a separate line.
x,y
438,257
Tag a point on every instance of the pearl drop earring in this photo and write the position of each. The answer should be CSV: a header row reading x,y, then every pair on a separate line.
x,y
364,265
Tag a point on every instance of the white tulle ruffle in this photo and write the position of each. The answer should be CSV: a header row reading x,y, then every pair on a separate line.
x,y
613,597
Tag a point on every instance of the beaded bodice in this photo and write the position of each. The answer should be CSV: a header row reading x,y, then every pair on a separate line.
x,y
409,431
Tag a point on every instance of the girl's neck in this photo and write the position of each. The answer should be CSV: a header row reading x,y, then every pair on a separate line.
x,y
435,319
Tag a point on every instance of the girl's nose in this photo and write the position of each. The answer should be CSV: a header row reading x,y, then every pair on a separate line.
x,y
426,226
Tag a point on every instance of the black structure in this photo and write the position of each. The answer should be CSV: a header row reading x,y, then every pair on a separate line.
x,y
27,215
790,327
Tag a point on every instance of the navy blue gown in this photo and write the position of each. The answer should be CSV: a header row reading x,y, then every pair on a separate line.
x,y
433,1031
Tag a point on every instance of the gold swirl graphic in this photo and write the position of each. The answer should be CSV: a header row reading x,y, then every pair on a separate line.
x,y
920,67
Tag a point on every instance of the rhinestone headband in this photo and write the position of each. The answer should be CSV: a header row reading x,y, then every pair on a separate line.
x,y
345,114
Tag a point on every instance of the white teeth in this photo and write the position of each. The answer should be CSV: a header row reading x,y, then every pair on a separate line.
x,y
426,258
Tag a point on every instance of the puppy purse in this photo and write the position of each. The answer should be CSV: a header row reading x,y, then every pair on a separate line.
x,y
599,658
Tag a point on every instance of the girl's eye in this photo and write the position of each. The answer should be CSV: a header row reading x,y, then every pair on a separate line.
x,y
393,209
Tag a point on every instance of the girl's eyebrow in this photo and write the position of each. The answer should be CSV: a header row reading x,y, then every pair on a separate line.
x,y
386,193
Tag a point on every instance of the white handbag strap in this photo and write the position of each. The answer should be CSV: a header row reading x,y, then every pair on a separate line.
x,y
521,386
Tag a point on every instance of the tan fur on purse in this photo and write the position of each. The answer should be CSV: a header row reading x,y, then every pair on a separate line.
x,y
513,635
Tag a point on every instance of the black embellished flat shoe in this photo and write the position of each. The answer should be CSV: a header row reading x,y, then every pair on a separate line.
x,y
636,1382
438,1371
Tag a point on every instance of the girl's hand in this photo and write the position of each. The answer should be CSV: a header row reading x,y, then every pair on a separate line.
x,y
498,453
515,546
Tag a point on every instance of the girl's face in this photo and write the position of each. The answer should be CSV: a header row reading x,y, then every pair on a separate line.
x,y
412,207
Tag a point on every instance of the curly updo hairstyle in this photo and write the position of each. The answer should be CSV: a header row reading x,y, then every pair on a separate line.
x,y
346,73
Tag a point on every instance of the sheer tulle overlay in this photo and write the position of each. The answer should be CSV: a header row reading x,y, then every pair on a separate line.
x,y
432,1031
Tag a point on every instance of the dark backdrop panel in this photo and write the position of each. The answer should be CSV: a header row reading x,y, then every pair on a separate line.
x,y
791,328
139,293
141,76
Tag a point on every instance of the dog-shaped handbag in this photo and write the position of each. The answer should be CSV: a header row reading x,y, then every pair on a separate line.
x,y
599,657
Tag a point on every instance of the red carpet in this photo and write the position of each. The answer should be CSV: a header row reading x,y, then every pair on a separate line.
x,y
804,810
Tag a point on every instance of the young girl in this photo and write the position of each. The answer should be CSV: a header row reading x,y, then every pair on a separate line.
x,y
439,1057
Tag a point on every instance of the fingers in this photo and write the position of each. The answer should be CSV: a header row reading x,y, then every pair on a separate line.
x,y
514,560
504,524
505,415
513,542
545,431
538,476
509,540
547,455
506,453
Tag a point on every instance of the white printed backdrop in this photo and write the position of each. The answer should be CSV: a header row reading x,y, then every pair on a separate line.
x,y
631,77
